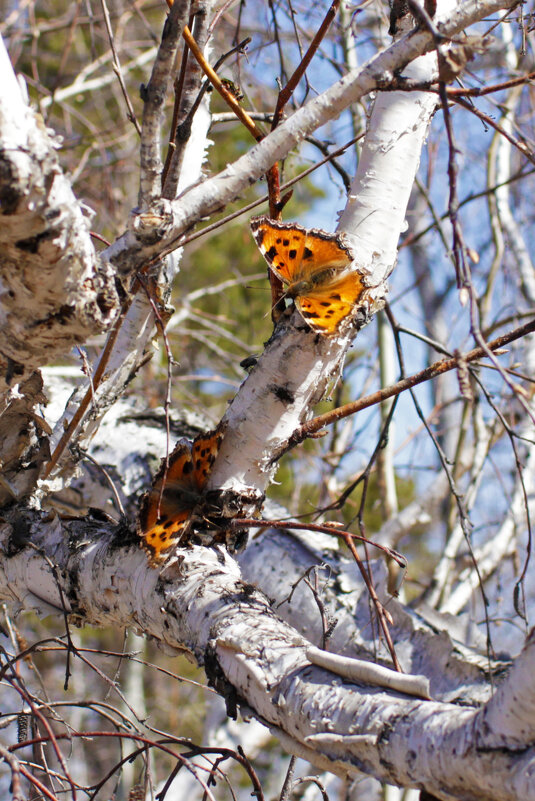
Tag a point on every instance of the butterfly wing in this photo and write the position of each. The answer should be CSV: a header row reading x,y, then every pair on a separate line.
x,y
281,244
166,510
295,253
315,266
165,534
204,452
326,307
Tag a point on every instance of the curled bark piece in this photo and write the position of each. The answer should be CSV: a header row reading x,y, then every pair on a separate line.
x,y
369,673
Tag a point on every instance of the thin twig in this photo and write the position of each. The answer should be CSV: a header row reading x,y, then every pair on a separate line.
x,y
215,80
88,397
288,780
286,93
435,369
117,67
326,528
13,762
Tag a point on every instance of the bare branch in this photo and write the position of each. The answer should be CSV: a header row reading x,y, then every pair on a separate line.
x,y
155,94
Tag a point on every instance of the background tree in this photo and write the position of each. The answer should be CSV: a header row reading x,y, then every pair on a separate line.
x,y
109,235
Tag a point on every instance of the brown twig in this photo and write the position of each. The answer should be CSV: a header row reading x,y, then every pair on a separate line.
x,y
215,80
273,180
324,528
286,93
462,269
86,400
272,175
117,67
181,132
480,91
383,621
435,369
14,764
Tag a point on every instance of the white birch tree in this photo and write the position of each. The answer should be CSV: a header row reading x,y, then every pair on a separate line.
x,y
397,691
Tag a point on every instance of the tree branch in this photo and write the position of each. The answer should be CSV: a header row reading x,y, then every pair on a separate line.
x,y
200,602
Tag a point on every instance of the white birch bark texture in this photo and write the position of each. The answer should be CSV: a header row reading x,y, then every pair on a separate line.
x,y
260,663
55,293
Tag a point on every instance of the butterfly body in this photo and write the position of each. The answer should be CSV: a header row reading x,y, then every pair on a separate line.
x,y
316,268
176,501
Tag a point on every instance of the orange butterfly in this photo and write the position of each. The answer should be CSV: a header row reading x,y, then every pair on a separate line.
x,y
315,266
166,516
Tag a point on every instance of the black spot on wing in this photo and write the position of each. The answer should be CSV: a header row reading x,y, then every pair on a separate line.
x,y
307,253
292,254
258,232
271,253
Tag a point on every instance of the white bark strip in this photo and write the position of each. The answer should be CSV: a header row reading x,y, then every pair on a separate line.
x,y
199,602
369,673
377,203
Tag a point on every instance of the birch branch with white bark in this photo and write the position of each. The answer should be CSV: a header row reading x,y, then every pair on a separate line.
x,y
275,561
295,369
256,661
